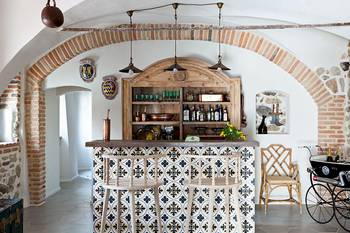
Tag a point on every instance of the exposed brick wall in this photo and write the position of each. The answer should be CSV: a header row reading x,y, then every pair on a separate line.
x,y
10,99
331,123
34,98
10,170
35,139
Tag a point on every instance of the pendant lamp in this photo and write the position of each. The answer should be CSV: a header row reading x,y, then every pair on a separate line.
x,y
131,69
219,66
175,67
52,16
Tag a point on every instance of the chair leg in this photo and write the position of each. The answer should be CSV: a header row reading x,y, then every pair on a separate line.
x,y
291,202
104,210
132,210
119,195
189,209
237,209
158,214
300,198
211,210
267,196
262,185
227,209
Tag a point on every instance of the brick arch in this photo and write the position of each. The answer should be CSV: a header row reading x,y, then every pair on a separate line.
x,y
35,102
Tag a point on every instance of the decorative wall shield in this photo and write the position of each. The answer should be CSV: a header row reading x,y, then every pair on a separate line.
x,y
109,87
272,112
87,70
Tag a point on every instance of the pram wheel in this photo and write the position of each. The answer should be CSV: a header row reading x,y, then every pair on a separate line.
x,y
319,203
342,208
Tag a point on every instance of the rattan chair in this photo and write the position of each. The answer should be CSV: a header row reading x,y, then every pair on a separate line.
x,y
277,170
131,184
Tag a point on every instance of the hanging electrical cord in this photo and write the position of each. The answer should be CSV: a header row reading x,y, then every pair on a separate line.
x,y
131,68
219,66
175,67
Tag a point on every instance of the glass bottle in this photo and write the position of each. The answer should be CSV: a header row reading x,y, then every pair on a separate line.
x,y
144,115
186,113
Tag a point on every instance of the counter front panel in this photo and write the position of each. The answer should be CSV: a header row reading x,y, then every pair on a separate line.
x,y
173,194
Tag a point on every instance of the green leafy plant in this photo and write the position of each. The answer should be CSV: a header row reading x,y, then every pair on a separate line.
x,y
232,133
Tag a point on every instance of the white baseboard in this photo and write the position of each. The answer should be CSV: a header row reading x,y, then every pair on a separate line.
x,y
52,192
70,179
85,169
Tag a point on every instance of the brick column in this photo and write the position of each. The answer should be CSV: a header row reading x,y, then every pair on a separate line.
x,y
331,123
35,138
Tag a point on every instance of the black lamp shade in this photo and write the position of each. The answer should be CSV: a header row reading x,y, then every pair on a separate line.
x,y
219,65
131,67
176,67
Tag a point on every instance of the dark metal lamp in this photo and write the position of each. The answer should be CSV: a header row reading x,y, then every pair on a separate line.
x,y
52,16
131,68
175,67
219,66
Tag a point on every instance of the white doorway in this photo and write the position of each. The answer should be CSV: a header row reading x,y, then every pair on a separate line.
x,y
68,127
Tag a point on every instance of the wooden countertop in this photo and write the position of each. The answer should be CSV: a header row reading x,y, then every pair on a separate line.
x,y
141,143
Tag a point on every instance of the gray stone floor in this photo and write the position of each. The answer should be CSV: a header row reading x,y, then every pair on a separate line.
x,y
69,212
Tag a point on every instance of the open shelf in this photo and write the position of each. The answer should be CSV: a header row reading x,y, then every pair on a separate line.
x,y
155,102
204,122
156,122
207,103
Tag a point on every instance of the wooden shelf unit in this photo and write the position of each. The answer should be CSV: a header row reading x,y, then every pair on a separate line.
x,y
207,103
204,122
156,123
197,79
154,103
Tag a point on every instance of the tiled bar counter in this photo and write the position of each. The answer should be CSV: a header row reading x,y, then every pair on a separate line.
x,y
173,194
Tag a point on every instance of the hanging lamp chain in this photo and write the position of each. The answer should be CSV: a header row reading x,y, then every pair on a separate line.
x,y
220,4
175,6
131,33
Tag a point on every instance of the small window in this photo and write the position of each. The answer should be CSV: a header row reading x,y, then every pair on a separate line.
x,y
7,124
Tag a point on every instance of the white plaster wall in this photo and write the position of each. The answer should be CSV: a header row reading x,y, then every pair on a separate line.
x,y
19,22
257,74
52,155
79,127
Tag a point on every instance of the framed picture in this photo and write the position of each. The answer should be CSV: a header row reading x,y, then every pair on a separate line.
x,y
87,70
272,112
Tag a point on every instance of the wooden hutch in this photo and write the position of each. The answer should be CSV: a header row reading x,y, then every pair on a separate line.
x,y
157,91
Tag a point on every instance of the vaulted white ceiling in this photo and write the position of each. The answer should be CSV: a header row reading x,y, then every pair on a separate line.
x,y
110,12
103,13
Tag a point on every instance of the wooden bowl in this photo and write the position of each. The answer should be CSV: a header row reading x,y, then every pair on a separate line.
x,y
160,116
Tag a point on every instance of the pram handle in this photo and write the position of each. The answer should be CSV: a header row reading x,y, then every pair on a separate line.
x,y
342,182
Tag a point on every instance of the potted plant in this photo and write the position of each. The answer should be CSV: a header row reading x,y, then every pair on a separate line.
x,y
230,132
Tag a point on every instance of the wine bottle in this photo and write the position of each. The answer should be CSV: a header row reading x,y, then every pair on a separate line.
x,y
198,112
217,113
208,114
201,114
212,114
144,115
186,113
225,115
193,115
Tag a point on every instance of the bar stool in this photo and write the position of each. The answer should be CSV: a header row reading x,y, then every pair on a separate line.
x,y
224,176
131,184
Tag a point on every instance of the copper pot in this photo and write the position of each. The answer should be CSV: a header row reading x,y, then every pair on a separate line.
x,y
160,116
52,16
